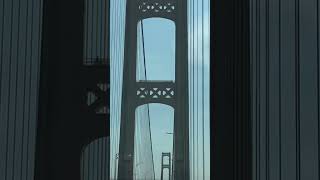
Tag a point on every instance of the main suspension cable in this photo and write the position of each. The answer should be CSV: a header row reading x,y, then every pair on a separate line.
x,y
148,108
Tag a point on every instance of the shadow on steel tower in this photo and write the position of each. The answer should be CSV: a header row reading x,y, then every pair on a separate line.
x,y
74,88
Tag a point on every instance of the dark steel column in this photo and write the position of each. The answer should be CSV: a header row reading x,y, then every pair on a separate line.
x,y
67,122
230,72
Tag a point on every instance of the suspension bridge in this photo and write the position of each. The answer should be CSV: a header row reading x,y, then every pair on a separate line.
x,y
104,89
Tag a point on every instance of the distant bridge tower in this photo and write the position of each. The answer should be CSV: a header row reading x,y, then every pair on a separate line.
x,y
136,93
166,166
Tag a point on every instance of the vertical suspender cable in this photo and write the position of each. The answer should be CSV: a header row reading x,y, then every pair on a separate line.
x,y
116,64
96,161
145,72
123,7
280,100
97,145
24,93
112,90
91,28
2,32
297,88
122,15
88,163
104,51
30,87
137,123
93,55
112,134
120,92
197,87
137,126
96,142
8,111
106,165
104,32
203,59
233,90
114,59
40,16
100,141
267,92
97,28
117,58
91,166
82,165
101,158
87,45
30,78
188,20
208,52
91,158
258,89
2,42
1,54
193,119
318,87
102,54
142,125
86,30
16,94
90,174
189,86
116,53
102,24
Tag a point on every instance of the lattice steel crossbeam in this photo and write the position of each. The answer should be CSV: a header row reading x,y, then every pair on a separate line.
x,y
157,8
155,92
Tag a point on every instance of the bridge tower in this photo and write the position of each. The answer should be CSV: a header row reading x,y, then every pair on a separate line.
x,y
164,165
74,87
172,93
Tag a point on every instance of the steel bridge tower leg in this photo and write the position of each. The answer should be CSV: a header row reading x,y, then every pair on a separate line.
x,y
136,93
69,119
